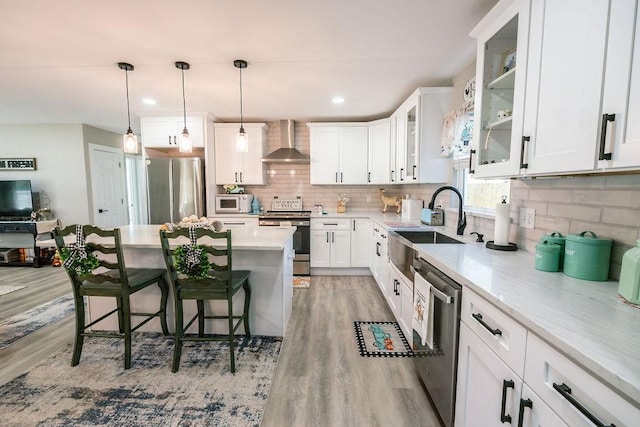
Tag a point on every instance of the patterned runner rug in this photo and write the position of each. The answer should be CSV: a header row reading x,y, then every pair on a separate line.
x,y
99,392
7,289
16,327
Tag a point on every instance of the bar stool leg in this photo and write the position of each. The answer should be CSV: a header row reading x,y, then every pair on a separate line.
x,y
177,348
79,339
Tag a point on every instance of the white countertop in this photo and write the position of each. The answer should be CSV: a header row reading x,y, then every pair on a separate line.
x,y
582,319
249,238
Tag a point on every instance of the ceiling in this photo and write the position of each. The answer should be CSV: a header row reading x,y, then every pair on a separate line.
x,y
58,59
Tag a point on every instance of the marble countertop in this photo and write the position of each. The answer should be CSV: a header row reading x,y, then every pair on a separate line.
x,y
582,319
248,238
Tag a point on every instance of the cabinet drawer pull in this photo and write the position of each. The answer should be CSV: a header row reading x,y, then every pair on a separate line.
x,y
369,177
524,165
565,392
336,177
471,153
401,170
240,176
478,317
414,172
524,403
327,237
392,176
505,418
603,135
333,237
378,248
340,176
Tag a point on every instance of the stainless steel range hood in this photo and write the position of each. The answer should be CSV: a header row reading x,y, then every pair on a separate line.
x,y
287,153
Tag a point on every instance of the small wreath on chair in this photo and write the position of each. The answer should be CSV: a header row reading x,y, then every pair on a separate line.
x,y
76,256
192,260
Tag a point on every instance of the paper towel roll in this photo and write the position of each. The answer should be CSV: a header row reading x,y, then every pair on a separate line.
x,y
502,224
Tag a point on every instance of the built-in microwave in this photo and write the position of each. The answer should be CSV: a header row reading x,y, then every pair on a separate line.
x,y
233,203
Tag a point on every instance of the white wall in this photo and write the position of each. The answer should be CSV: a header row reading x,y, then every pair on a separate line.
x,y
61,163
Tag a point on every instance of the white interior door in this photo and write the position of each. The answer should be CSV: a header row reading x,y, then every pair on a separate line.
x,y
107,186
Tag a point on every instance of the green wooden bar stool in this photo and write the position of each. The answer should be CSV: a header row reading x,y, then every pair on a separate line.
x,y
200,265
99,270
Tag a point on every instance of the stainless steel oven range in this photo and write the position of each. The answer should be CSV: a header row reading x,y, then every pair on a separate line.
x,y
288,212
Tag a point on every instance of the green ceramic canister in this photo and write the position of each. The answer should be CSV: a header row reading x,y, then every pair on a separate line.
x,y
559,240
547,256
629,287
586,256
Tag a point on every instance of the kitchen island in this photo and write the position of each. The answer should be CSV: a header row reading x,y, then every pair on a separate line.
x,y
266,251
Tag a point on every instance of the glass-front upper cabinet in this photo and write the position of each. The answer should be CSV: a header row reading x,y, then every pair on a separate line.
x,y
411,164
500,88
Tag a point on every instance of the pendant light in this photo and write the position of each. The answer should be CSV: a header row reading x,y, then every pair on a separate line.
x,y
184,145
129,139
242,139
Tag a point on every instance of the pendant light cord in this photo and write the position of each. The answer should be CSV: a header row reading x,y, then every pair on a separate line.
x,y
241,120
184,103
126,73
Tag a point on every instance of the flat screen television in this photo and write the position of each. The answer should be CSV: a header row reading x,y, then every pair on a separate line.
x,y
15,199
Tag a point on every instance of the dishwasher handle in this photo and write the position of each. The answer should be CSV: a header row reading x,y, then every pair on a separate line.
x,y
432,278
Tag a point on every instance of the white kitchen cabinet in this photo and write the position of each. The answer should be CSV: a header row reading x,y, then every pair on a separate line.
x,y
496,145
360,242
559,381
338,153
164,132
562,109
233,167
394,291
380,258
419,122
379,152
488,391
619,146
534,412
330,243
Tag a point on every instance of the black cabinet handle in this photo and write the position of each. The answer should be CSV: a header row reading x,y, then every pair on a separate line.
x,y
523,165
603,135
392,177
333,237
175,142
565,392
236,176
240,176
505,418
340,176
478,317
524,403
414,172
471,153
378,248
327,237
169,139
401,170
369,177
336,177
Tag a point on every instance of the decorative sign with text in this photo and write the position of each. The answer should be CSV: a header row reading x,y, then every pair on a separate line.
x,y
20,164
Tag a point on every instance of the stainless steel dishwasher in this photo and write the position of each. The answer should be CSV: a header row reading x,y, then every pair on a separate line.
x,y
438,366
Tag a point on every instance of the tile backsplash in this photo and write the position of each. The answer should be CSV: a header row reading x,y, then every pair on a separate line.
x,y
607,205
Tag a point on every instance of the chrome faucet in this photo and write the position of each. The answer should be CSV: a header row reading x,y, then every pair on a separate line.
x,y
462,216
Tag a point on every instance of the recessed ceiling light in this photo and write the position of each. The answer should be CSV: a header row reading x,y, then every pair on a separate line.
x,y
337,100
149,101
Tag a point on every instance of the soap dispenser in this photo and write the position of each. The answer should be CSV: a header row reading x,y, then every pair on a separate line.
x,y
255,206
629,287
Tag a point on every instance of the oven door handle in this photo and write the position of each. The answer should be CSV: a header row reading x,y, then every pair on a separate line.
x,y
447,299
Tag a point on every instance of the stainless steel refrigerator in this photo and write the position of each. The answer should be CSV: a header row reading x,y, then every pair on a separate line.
x,y
175,189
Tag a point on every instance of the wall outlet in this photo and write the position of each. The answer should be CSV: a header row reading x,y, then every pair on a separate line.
x,y
527,218
368,199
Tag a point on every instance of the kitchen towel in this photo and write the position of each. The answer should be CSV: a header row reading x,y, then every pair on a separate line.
x,y
502,224
422,321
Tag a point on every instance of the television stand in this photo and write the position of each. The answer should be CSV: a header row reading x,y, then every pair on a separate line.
x,y
16,236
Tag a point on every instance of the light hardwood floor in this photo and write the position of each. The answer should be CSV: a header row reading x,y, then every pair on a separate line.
x,y
321,379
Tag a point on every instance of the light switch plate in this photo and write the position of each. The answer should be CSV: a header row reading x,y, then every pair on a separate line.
x,y
527,218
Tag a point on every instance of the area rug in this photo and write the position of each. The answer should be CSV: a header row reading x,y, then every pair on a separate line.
x,y
381,339
20,325
301,282
99,392
7,289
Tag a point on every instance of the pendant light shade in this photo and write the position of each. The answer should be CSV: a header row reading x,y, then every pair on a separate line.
x,y
185,145
129,139
242,139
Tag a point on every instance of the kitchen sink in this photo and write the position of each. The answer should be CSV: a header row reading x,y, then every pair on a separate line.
x,y
426,237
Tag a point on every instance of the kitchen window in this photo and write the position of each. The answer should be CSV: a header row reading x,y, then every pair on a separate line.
x,y
479,195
